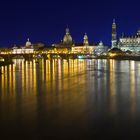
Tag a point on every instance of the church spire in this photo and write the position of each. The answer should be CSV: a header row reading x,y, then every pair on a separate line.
x,y
85,40
114,21
114,34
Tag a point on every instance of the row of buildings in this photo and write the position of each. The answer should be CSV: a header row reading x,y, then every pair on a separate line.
x,y
67,45
83,47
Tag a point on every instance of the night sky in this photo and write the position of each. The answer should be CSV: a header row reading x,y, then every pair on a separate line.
x,y
45,20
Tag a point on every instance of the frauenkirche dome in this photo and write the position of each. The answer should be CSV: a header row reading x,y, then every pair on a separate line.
x,y
67,38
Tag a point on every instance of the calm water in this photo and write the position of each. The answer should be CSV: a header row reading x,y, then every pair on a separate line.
x,y
74,99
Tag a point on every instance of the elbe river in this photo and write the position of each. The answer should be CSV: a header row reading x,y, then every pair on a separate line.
x,y
70,99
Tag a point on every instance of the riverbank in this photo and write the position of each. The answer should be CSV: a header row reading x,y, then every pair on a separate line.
x,y
120,57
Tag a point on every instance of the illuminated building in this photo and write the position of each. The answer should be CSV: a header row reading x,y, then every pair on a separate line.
x,y
114,35
100,48
67,40
131,43
68,46
84,47
126,42
28,48
85,43
65,45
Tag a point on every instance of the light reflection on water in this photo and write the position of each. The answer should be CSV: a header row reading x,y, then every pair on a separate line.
x,y
69,95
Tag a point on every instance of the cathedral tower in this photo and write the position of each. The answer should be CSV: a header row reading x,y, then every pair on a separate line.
x,y
114,35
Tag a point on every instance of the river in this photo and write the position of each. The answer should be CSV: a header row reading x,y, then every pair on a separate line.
x,y
70,99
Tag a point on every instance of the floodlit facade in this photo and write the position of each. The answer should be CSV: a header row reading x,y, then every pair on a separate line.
x,y
67,40
100,48
125,43
27,49
68,46
131,43
84,47
22,50
65,45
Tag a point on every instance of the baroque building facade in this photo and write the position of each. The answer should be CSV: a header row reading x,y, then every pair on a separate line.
x,y
67,45
125,42
100,49
28,48
131,43
84,47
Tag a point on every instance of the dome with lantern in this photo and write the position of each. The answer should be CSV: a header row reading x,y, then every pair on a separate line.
x,y
67,38
28,43
85,36
86,43
101,45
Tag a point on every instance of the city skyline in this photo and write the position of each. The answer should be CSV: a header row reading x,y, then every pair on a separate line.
x,y
22,43
45,22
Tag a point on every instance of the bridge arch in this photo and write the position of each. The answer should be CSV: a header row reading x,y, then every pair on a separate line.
x,y
18,57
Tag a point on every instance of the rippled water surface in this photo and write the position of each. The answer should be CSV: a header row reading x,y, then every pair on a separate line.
x,y
70,99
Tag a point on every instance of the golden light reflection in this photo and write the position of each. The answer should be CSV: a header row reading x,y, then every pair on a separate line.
x,y
132,78
34,78
70,78
112,86
14,80
132,87
8,81
10,78
23,78
31,77
3,81
58,80
26,76
112,77
42,66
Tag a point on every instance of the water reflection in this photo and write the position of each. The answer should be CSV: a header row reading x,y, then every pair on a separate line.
x,y
56,93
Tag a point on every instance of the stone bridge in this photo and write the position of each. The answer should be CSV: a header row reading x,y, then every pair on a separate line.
x,y
9,57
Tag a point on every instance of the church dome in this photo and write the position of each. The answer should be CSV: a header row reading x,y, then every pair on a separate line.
x,y
101,44
28,43
67,38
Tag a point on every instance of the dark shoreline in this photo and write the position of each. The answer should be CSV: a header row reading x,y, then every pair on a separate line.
x,y
119,57
5,63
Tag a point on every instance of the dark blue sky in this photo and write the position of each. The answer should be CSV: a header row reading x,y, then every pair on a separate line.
x,y
46,20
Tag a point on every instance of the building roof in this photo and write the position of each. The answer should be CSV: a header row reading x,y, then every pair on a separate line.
x,y
115,50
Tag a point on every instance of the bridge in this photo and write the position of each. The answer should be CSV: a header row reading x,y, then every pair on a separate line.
x,y
31,56
9,57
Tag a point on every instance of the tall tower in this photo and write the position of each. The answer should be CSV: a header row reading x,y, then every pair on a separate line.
x,y
85,40
114,35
